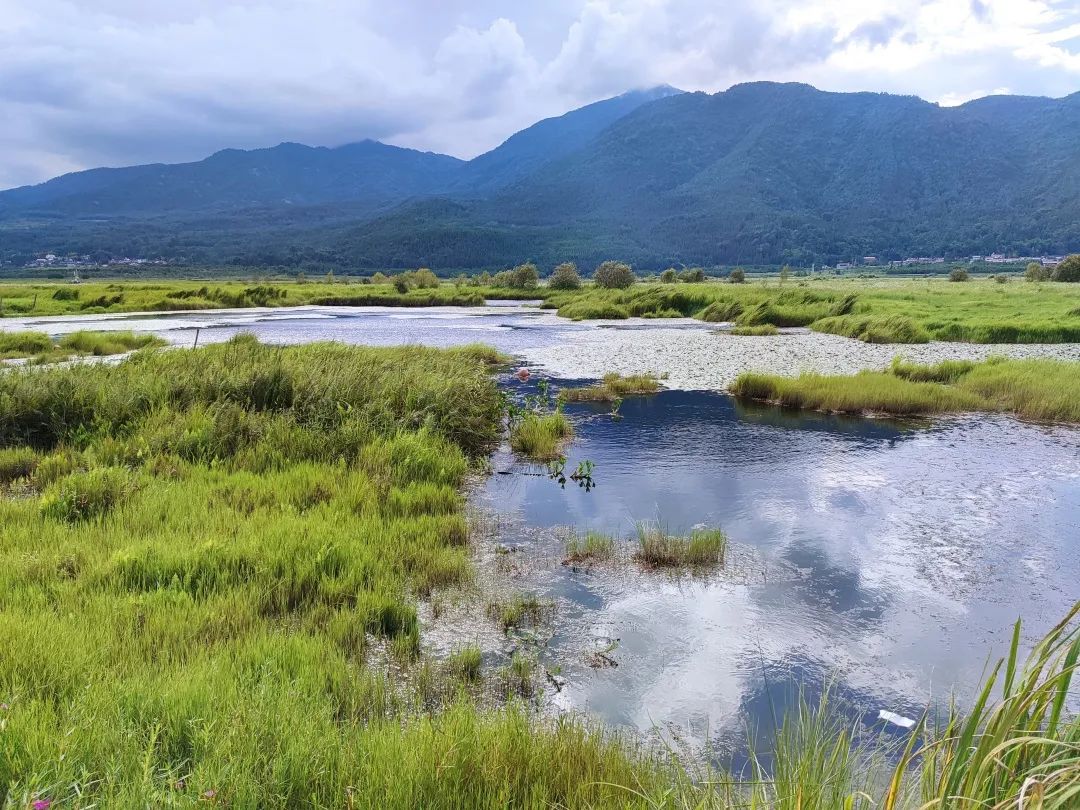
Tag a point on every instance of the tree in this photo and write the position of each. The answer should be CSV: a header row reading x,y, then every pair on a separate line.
x,y
691,275
737,276
524,276
958,274
565,277
1069,269
401,285
668,276
614,275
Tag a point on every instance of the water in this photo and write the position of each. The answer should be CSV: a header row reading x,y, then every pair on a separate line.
x,y
886,560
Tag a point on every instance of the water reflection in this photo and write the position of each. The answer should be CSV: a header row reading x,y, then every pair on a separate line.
x,y
887,558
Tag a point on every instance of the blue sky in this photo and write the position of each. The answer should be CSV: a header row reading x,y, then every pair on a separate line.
x,y
117,82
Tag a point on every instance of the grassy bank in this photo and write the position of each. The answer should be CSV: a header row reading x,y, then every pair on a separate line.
x,y
872,310
1046,390
37,347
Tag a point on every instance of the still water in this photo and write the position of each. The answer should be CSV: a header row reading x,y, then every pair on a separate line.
x,y
887,561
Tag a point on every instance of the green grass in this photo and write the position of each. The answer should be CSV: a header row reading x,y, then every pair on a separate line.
x,y
873,310
613,386
540,436
592,546
519,612
40,348
658,547
1047,390
762,330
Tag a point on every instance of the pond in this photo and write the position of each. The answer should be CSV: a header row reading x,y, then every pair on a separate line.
x,y
882,559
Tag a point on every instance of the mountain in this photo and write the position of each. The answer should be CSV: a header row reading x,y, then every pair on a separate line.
x,y
552,139
289,174
760,173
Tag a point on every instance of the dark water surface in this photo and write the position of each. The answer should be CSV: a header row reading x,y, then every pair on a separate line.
x,y
886,560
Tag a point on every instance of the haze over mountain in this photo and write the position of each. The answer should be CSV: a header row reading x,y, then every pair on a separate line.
x,y
760,173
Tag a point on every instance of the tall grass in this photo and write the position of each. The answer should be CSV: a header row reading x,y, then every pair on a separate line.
x,y
1047,390
43,349
592,545
540,436
658,547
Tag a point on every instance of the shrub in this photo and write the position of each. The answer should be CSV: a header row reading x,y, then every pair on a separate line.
x,y
958,274
425,279
1000,278
565,277
401,285
1036,272
378,278
1069,269
669,276
524,276
614,275
737,276
66,294
692,275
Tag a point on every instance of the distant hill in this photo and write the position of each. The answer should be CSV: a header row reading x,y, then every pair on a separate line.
x,y
760,173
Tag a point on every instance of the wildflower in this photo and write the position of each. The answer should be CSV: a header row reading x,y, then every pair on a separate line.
x,y
210,794
42,804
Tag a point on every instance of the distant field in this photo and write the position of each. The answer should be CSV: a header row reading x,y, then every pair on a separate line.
x,y
878,310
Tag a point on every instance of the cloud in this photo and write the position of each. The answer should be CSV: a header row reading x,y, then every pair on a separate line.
x,y
113,82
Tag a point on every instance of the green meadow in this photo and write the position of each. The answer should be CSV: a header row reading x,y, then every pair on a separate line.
x,y
210,567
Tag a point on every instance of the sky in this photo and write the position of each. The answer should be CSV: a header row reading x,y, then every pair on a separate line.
x,y
121,82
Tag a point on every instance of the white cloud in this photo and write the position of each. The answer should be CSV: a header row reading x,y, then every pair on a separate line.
x,y
124,81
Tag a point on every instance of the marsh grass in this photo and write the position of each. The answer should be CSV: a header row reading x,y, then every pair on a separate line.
x,y
592,546
761,330
659,548
1047,390
39,348
520,612
540,436
613,386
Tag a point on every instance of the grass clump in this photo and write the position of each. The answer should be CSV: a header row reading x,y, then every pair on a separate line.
x,y
24,344
613,386
874,329
592,546
540,436
17,463
86,495
466,664
658,548
101,344
761,330
1046,390
520,612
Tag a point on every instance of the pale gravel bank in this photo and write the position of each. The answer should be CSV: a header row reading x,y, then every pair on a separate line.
x,y
710,359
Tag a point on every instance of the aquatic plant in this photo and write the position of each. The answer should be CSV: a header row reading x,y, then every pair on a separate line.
x,y
658,547
540,436
592,546
613,386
